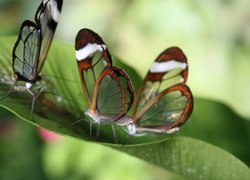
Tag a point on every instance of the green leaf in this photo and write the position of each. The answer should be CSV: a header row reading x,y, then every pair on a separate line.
x,y
215,123
191,158
61,105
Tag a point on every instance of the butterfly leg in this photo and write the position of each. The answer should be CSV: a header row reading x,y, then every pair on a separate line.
x,y
98,130
34,97
33,102
126,139
114,132
90,128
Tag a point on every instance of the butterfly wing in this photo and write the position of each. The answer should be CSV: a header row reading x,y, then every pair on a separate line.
x,y
163,100
34,41
26,52
113,94
166,111
46,18
169,68
92,58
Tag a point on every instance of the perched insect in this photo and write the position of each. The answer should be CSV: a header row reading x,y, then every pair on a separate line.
x,y
164,102
32,46
108,91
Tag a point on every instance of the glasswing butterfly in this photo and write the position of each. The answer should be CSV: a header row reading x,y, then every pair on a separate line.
x,y
107,89
32,46
163,103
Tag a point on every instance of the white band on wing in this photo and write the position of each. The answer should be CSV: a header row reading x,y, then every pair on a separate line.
x,y
88,50
55,11
160,67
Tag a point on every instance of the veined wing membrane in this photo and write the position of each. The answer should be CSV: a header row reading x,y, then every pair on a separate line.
x,y
92,58
26,51
169,69
114,94
169,109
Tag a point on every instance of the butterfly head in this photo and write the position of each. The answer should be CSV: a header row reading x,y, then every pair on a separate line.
x,y
15,77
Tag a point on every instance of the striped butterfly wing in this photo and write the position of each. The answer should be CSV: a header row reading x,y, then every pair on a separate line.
x,y
92,58
164,101
26,52
47,17
113,94
34,41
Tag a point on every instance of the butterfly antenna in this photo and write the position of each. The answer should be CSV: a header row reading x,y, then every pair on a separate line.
x,y
8,93
76,122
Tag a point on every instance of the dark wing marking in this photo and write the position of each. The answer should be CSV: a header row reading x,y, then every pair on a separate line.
x,y
46,18
166,111
92,58
169,69
26,52
113,95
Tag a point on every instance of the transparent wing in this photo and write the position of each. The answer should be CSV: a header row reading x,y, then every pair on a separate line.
x,y
169,69
34,41
166,111
26,52
114,94
47,17
92,58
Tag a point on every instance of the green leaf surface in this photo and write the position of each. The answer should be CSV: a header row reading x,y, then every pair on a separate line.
x,y
61,105
191,158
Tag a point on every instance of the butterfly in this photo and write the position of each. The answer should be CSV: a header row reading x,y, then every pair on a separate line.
x,y
108,91
164,102
32,46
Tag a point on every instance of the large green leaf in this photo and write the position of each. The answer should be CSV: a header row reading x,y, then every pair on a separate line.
x,y
191,158
61,105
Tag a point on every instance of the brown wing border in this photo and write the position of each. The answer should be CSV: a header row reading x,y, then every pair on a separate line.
x,y
184,89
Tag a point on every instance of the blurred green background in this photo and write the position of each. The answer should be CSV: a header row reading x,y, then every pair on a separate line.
x,y
214,35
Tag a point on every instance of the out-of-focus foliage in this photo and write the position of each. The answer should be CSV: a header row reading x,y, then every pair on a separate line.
x,y
20,149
